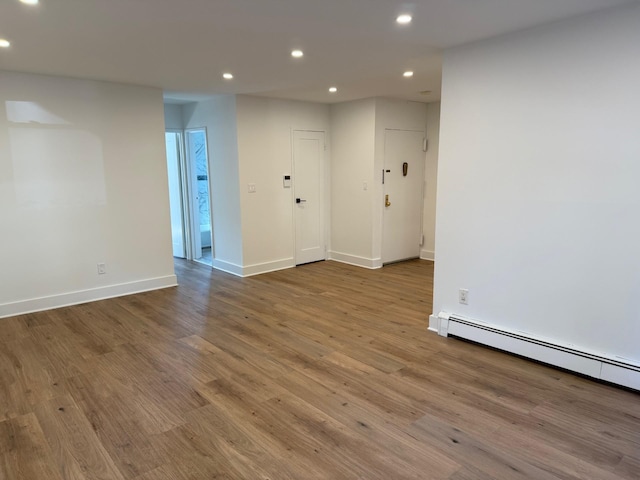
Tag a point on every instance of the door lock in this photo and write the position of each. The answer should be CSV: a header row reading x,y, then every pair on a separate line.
x,y
300,200
387,203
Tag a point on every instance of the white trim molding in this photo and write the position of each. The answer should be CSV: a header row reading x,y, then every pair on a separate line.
x,y
266,267
255,269
83,296
227,267
433,323
614,369
427,255
371,263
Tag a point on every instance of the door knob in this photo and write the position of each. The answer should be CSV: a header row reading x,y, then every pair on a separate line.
x,y
387,203
300,200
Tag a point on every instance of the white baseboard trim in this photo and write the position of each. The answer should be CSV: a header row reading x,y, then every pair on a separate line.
x,y
433,323
228,267
614,369
83,296
371,263
427,255
267,267
255,269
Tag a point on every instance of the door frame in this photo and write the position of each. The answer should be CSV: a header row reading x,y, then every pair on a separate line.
x,y
325,192
183,187
191,185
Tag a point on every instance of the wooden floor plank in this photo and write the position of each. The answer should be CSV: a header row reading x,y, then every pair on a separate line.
x,y
78,452
123,435
473,452
322,372
379,428
24,452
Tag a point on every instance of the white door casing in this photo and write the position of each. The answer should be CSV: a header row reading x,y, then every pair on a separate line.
x,y
194,213
308,195
174,173
402,220
193,136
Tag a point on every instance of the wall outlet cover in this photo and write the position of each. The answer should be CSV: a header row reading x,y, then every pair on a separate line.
x,y
463,296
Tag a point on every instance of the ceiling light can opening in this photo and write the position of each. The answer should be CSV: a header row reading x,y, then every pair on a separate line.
x,y
227,76
297,53
4,43
30,2
408,74
333,90
404,19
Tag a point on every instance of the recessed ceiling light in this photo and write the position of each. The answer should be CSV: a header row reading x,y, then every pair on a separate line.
x,y
227,76
333,90
425,92
30,2
408,74
297,53
404,19
4,43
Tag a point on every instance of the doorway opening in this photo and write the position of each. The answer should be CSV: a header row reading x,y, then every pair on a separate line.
x,y
198,166
190,204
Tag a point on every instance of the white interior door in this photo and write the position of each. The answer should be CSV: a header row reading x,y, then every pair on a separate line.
x,y
308,183
403,195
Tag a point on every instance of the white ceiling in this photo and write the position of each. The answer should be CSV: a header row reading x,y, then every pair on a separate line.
x,y
184,46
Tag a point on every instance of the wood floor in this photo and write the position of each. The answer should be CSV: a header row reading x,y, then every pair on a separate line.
x,y
325,371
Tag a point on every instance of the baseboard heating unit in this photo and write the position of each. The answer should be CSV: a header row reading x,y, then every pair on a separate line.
x,y
612,369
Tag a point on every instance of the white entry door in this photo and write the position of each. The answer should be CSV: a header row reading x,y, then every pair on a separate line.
x,y
308,194
403,179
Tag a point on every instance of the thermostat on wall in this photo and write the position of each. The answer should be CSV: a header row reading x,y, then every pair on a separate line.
x,y
286,181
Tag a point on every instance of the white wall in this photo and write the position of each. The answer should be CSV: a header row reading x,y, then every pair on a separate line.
x,y
395,115
357,158
173,117
538,198
82,180
431,182
262,154
352,161
218,116
265,128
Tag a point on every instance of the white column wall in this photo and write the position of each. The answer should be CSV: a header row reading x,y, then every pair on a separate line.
x,y
538,194
83,180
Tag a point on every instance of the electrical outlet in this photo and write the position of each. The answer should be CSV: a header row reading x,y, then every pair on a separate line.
x,y
102,269
252,188
463,296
